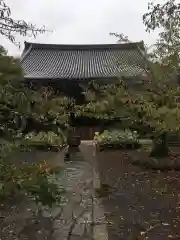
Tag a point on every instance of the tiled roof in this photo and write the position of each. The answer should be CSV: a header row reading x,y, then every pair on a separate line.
x,y
50,61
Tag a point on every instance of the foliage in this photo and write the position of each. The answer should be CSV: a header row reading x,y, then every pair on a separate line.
x,y
32,180
156,102
153,104
101,106
165,18
118,138
18,104
96,110
47,110
156,106
49,139
9,27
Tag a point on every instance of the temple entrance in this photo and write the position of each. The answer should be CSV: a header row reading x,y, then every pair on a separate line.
x,y
86,132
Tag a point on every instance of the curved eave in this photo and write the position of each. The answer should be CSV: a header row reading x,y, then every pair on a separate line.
x,y
49,61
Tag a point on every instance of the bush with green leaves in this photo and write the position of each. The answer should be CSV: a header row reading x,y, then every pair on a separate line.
x,y
17,105
36,181
46,139
32,180
118,138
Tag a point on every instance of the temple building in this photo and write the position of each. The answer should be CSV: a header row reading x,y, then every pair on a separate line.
x,y
50,62
65,67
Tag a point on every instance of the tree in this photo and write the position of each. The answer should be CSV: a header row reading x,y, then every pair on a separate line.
x,y
166,19
157,106
17,105
9,27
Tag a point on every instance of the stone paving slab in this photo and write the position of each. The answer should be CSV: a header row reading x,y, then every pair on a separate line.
x,y
78,217
77,212
100,232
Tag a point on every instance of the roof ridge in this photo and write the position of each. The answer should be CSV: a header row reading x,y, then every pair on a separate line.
x,y
122,46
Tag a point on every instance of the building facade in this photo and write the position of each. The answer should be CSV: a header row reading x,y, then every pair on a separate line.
x,y
66,67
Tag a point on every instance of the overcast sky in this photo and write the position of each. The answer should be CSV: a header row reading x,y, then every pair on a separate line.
x,y
81,21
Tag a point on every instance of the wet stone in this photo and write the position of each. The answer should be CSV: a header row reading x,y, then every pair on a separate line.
x,y
79,229
73,217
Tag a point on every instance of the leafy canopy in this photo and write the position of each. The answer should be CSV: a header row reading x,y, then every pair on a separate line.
x,y
17,105
155,102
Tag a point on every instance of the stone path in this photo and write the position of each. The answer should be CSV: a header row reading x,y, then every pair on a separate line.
x,y
80,216
76,216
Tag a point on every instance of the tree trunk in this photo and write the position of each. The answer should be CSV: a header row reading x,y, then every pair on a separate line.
x,y
160,146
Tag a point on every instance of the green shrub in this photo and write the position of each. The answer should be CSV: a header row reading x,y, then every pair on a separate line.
x,y
36,181
118,138
48,140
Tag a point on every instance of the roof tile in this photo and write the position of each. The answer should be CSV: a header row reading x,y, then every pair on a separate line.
x,y
82,61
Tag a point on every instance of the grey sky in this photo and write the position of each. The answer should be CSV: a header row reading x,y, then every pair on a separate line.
x,y
81,21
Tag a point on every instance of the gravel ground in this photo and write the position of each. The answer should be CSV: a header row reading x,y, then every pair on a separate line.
x,y
140,204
